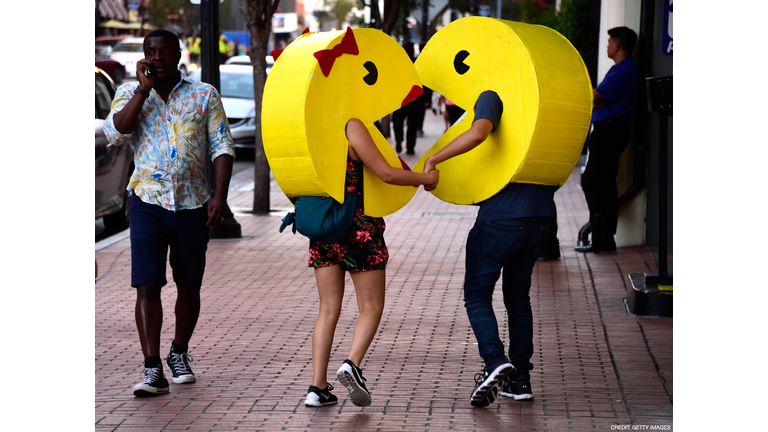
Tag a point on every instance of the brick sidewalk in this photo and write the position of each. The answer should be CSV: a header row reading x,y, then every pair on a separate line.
x,y
596,366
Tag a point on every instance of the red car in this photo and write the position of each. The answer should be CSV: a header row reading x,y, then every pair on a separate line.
x,y
113,68
109,40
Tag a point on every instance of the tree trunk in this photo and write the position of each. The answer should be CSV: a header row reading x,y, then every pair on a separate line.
x,y
391,12
258,18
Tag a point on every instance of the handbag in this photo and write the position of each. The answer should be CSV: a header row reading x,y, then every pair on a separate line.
x,y
322,218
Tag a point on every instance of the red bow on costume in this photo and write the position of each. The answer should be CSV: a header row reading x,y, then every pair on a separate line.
x,y
325,58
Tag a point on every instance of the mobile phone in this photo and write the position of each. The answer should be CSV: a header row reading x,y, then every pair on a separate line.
x,y
147,73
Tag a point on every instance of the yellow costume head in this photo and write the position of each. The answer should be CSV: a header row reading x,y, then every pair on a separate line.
x,y
547,96
317,84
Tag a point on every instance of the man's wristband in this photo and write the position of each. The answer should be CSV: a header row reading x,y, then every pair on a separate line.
x,y
142,92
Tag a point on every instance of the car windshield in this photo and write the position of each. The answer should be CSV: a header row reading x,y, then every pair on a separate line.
x,y
234,85
128,47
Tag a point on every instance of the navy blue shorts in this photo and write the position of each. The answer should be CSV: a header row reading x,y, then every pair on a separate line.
x,y
155,229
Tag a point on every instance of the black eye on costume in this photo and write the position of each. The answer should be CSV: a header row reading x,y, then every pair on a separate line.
x,y
373,73
458,62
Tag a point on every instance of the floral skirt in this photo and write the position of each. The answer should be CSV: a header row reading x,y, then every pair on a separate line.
x,y
361,249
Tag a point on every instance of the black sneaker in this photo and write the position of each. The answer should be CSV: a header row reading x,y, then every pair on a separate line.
x,y
318,398
351,377
178,366
154,383
488,382
519,389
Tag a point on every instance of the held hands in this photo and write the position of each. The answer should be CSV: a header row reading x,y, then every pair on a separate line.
x,y
429,167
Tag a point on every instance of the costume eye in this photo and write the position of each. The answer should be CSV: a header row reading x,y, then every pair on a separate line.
x,y
458,62
373,73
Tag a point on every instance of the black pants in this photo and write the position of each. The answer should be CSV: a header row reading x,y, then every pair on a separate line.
x,y
607,142
410,113
549,247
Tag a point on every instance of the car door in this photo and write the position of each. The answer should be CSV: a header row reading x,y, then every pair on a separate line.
x,y
110,160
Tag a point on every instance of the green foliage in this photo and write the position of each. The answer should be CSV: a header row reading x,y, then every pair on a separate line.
x,y
159,10
339,9
185,14
407,7
532,12
573,21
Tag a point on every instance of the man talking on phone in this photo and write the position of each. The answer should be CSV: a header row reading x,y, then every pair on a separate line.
x,y
172,123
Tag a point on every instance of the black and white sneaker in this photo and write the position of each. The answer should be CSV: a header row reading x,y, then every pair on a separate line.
x,y
488,382
178,366
519,389
154,383
318,398
351,377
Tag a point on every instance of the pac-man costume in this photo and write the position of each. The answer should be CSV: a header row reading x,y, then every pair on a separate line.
x,y
547,97
317,84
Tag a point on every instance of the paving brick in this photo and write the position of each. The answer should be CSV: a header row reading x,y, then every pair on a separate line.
x,y
595,365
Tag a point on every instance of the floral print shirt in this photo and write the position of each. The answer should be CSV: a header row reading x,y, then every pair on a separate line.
x,y
171,140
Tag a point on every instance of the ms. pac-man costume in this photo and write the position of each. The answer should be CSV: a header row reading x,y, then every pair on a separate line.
x,y
547,96
317,84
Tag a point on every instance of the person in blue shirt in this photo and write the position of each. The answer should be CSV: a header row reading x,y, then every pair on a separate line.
x,y
509,227
614,101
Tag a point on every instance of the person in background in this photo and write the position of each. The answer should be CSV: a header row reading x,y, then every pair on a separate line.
x,y
173,124
614,101
453,112
223,49
408,114
193,45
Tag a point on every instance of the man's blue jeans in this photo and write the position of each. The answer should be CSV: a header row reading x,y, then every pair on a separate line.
x,y
509,244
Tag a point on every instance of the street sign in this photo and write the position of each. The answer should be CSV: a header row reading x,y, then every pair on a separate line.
x,y
667,40
284,22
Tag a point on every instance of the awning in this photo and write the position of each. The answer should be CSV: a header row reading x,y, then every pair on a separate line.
x,y
113,9
123,25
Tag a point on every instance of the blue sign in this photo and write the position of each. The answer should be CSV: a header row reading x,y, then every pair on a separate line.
x,y
667,40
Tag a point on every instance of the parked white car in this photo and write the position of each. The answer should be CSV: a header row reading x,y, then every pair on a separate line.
x,y
130,50
237,99
246,60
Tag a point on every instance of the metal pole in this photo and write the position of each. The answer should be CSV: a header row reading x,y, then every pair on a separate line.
x,y
664,278
209,64
209,43
424,20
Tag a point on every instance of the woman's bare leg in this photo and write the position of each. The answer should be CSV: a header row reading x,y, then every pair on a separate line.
x,y
369,287
330,286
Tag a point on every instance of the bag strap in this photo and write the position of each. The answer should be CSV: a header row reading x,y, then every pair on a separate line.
x,y
289,219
